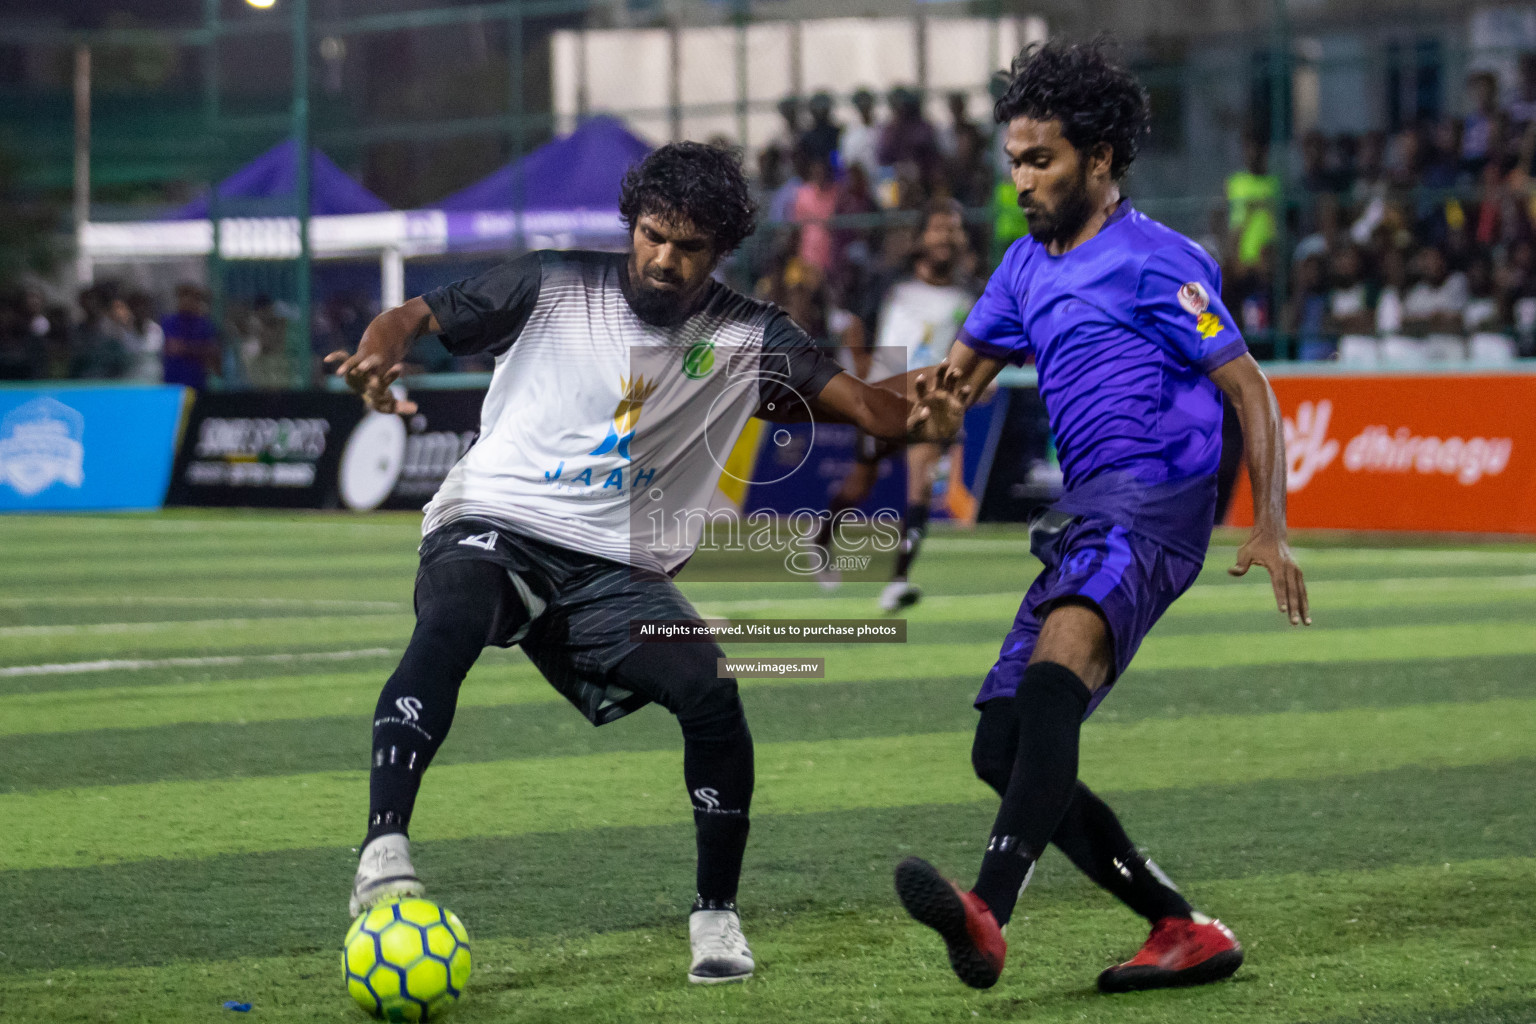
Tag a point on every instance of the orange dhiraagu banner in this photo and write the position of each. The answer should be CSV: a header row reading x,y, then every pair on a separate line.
x,y
1422,452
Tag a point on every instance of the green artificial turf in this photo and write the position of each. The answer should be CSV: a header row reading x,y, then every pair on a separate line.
x,y
1352,799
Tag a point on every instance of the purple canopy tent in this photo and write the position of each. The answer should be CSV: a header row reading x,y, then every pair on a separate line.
x,y
567,188
271,177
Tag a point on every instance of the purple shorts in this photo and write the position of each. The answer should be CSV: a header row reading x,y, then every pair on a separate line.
x,y
1130,578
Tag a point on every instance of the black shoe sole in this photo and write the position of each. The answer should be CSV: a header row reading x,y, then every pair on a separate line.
x,y
932,901
1139,979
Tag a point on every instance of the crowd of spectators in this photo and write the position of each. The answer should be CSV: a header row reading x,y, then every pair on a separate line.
x,y
841,203
114,333
1415,246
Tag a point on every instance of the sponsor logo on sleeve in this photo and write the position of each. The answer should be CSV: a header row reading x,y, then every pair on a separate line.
x,y
1194,298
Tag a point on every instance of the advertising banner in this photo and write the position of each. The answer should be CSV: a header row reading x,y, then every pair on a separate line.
x,y
320,450
85,448
1455,452
264,449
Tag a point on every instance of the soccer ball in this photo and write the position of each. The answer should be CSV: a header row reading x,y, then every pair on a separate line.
x,y
407,960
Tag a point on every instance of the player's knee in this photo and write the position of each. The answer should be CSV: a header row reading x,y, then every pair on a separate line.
x,y
991,762
714,712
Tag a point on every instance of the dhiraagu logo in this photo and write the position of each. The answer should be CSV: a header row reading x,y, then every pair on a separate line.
x,y
699,360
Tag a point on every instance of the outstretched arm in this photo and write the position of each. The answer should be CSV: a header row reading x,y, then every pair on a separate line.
x,y
926,404
1264,451
377,363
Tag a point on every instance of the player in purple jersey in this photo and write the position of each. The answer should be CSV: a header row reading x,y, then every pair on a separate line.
x,y
1133,348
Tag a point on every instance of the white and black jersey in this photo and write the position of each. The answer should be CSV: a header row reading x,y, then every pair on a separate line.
x,y
600,432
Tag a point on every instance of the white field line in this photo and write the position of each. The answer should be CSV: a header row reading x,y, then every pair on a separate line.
x,y
123,665
152,602
110,628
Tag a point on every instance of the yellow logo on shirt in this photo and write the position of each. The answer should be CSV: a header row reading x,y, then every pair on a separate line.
x,y
1209,325
632,396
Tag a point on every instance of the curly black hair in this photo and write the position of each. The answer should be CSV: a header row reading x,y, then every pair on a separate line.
x,y
1095,99
694,182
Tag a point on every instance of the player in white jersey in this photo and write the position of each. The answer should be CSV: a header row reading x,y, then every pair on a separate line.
x,y
919,320
617,376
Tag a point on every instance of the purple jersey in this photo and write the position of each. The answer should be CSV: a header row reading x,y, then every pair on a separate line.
x,y
1124,330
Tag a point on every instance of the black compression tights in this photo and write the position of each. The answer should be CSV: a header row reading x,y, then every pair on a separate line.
x,y
458,604
1089,834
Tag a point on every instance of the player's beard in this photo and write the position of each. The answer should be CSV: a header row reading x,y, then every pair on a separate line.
x,y
655,306
1067,219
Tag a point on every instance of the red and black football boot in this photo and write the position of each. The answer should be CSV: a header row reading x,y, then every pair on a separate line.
x,y
1180,951
976,944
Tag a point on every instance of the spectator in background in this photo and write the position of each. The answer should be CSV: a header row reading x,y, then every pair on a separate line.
x,y
1487,317
1434,310
1394,345
960,127
1251,199
1515,279
1350,317
1307,312
781,205
770,175
919,320
22,355
191,340
1522,107
264,346
1477,128
806,296
861,141
820,140
1316,173
99,351
969,172
908,138
815,204
853,247
145,339
788,138
1346,148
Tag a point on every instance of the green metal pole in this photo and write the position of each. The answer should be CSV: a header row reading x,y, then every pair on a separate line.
x,y
516,129
1279,166
215,162
298,340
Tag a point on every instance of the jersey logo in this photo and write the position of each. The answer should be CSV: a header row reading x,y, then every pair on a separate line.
x,y
484,541
1194,298
410,707
1209,325
632,395
699,360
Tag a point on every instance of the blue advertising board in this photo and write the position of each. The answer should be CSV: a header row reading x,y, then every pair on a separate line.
x,y
84,448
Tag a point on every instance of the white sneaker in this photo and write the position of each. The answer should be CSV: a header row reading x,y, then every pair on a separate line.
x,y
899,594
384,873
720,951
829,579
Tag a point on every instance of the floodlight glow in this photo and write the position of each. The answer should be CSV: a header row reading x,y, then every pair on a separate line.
x,y
261,4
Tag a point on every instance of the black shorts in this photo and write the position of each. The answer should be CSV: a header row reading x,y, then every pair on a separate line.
x,y
580,608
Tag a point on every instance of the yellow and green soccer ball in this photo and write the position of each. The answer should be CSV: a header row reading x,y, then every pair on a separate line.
x,y
407,960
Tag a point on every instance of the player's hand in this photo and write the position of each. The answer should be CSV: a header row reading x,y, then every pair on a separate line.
x,y
1274,554
939,411
368,375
